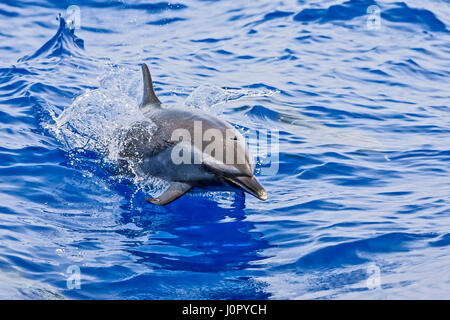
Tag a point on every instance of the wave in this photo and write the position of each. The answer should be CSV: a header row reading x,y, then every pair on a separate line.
x,y
340,12
404,14
63,43
357,251
398,12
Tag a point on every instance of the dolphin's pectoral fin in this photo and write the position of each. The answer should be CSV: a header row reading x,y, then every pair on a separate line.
x,y
176,190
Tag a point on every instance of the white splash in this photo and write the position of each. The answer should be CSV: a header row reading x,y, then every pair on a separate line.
x,y
94,119
209,98
97,119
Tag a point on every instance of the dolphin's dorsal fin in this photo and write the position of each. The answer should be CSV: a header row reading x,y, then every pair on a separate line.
x,y
149,97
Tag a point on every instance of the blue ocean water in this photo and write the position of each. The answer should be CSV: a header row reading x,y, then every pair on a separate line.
x,y
359,207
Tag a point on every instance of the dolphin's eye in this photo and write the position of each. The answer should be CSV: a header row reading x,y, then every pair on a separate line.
x,y
234,138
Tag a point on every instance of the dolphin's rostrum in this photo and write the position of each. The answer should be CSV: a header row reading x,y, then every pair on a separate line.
x,y
220,156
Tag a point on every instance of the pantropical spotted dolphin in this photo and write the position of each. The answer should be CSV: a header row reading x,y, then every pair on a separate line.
x,y
187,148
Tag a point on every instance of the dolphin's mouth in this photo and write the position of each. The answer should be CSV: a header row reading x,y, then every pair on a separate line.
x,y
249,184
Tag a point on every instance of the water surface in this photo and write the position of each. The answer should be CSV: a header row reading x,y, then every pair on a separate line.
x,y
363,117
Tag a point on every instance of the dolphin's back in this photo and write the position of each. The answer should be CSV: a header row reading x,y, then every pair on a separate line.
x,y
171,119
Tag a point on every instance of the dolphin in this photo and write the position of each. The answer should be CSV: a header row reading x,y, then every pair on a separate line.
x,y
158,153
